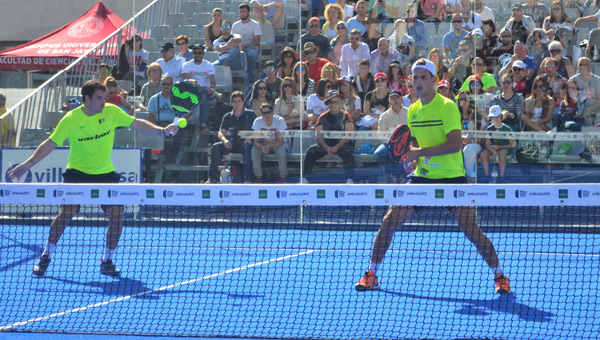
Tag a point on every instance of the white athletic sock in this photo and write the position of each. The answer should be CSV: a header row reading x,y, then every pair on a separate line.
x,y
108,254
49,249
374,267
497,271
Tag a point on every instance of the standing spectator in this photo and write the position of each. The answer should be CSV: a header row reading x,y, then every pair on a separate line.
x,y
376,102
416,29
258,96
170,63
287,59
519,25
270,140
538,108
334,14
288,106
471,20
404,44
382,57
228,47
212,31
315,37
509,101
239,119
315,63
152,87
7,126
488,81
589,87
137,57
269,12
453,38
395,115
431,10
556,19
363,82
352,53
350,101
250,32
336,45
182,42
537,11
484,12
203,73
305,84
359,21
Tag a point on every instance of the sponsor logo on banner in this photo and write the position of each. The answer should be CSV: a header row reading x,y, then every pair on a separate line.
x,y
6,193
500,194
398,193
525,193
563,193
320,194
587,193
115,193
281,194
340,194
416,193
284,194
61,193
41,193
459,193
57,193
227,194
379,193
439,193
149,193
223,194
262,194
170,194
205,194
95,193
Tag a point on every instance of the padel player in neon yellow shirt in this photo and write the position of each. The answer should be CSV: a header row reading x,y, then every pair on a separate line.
x,y
435,157
90,130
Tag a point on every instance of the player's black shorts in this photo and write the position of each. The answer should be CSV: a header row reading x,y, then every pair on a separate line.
x,y
414,179
76,176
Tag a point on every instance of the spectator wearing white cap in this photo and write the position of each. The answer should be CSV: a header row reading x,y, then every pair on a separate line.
x,y
497,148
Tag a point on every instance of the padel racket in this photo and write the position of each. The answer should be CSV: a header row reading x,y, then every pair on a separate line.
x,y
399,143
185,97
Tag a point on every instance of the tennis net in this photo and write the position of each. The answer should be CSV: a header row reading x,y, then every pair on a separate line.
x,y
281,261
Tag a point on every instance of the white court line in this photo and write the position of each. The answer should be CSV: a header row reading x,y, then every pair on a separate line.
x,y
229,271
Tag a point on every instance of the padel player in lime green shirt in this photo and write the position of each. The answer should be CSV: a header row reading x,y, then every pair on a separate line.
x,y
90,130
435,157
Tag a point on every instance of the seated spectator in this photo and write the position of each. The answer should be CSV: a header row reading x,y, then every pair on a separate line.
x,y
137,58
472,146
505,47
330,71
289,106
471,20
476,39
251,33
484,12
570,108
395,115
553,79
363,82
537,44
451,7
435,56
273,81
316,102
348,9
334,14
522,84
113,96
404,44
521,54
7,125
589,87
397,80
383,56
376,102
352,53
384,11
488,81
592,50
511,102
411,97
170,63
537,11
460,69
556,19
478,98
258,96
589,18
445,89
212,31
271,140
306,85
490,42
103,72
538,108
430,10
334,119
416,29
359,21
566,36
203,73
342,38
160,111
496,147
350,101
182,42
315,37
153,86
454,37
519,25
287,59
228,47
269,12
239,119
315,64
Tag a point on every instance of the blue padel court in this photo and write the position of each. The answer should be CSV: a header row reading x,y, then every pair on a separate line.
x,y
285,282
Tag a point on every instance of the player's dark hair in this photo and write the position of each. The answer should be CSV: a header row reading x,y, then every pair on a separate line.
x,y
90,87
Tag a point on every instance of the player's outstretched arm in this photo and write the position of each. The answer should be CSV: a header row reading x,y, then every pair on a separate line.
x,y
43,150
148,128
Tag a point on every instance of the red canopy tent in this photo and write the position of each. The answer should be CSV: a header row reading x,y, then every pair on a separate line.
x,y
57,49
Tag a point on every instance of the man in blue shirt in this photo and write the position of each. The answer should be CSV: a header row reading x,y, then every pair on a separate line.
x,y
453,38
359,21
416,29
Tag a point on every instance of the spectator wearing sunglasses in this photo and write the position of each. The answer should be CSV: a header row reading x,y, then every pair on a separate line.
x,y
352,53
487,80
228,47
564,66
454,37
315,37
314,62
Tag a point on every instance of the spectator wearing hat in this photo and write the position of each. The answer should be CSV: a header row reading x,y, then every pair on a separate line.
x,y
342,38
519,24
315,63
359,21
182,42
315,37
352,53
395,115
495,147
287,59
452,39
334,119
376,102
522,84
487,80
471,20
520,54
269,12
228,47
445,89
269,141
203,73
382,57
170,63
250,32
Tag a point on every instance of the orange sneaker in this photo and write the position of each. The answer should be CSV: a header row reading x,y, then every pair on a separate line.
x,y
368,282
502,284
